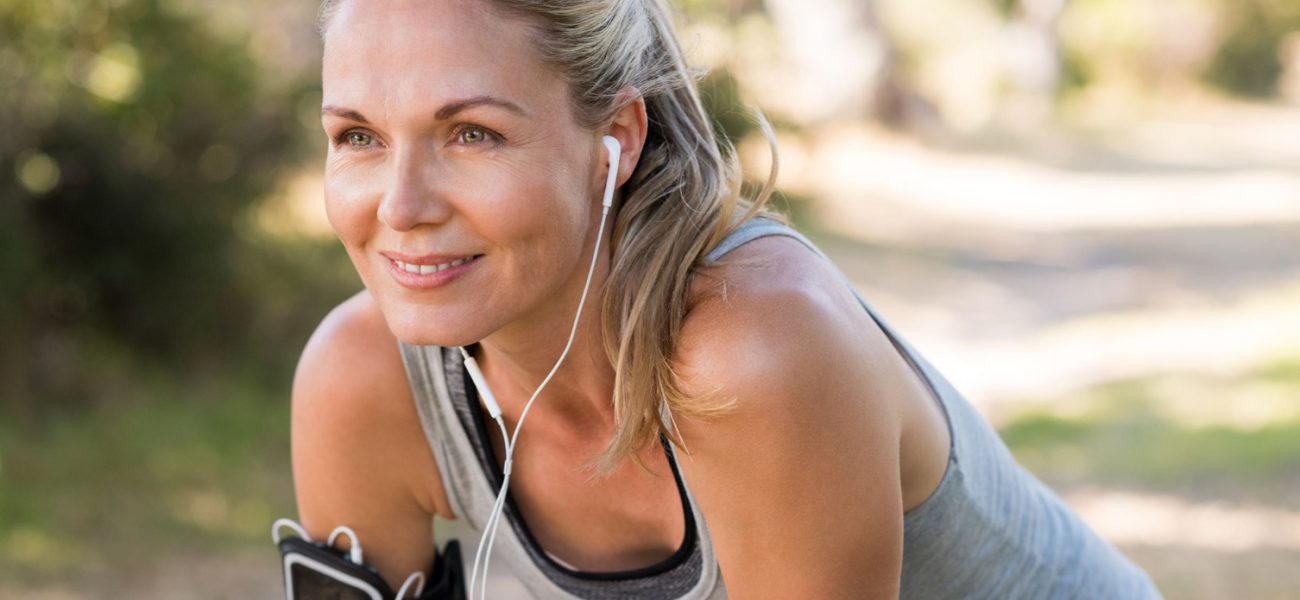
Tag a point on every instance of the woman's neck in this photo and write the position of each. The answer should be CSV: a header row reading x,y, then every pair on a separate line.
x,y
516,359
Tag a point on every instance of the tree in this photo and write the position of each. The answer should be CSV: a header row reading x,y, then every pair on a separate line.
x,y
137,139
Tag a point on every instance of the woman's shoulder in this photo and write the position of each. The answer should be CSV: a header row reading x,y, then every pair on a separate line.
x,y
352,353
771,296
350,391
771,320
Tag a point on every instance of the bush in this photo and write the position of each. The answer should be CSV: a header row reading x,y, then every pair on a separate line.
x,y
137,140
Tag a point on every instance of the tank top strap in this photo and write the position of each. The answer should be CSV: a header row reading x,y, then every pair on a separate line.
x,y
761,226
755,228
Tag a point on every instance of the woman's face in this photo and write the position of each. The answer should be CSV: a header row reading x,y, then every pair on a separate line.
x,y
451,142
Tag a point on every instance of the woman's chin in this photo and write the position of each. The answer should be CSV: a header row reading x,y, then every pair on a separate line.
x,y
424,327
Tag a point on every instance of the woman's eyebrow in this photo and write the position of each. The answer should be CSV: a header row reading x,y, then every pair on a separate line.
x,y
345,113
451,108
446,112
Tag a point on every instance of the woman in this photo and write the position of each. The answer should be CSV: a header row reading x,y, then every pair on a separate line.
x,y
728,410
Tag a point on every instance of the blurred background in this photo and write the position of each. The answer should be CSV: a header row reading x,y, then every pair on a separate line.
x,y
1085,212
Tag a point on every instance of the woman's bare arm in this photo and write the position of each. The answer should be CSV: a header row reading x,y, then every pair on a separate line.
x,y
800,482
359,454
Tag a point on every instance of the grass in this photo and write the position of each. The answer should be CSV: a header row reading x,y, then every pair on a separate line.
x,y
177,468
1128,435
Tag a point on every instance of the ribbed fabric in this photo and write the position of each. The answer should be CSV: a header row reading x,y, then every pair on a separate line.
x,y
990,529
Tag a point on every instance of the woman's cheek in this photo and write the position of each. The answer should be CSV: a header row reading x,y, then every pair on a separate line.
x,y
351,202
504,203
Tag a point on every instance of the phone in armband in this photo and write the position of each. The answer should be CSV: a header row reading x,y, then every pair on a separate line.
x,y
319,571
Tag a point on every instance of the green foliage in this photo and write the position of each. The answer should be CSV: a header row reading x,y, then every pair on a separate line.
x,y
1006,8
138,140
1075,74
725,104
1248,61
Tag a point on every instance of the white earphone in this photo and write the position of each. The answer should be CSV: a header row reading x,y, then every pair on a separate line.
x,y
494,520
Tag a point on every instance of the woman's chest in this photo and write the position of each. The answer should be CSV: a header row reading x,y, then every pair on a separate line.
x,y
632,518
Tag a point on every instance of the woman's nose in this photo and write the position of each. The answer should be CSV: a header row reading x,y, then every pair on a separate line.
x,y
412,197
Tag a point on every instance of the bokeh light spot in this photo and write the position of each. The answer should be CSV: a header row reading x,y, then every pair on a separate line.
x,y
37,172
115,73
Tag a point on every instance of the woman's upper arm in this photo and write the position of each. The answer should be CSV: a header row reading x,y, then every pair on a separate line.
x,y
359,455
799,482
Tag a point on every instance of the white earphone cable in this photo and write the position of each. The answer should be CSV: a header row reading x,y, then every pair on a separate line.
x,y
494,516
488,538
519,426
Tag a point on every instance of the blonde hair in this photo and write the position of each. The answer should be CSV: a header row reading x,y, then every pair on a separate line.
x,y
682,199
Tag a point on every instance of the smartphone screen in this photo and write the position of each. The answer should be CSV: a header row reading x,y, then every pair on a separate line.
x,y
310,583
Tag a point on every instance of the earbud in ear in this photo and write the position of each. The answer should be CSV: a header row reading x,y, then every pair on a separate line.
x,y
615,149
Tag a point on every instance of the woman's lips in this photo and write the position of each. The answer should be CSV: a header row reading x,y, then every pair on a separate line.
x,y
427,272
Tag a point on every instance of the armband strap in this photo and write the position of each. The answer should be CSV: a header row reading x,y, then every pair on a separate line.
x,y
447,582
319,570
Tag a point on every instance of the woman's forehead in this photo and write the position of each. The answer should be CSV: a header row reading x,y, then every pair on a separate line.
x,y
397,17
416,52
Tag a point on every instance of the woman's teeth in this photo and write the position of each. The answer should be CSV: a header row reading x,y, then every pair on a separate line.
x,y
427,269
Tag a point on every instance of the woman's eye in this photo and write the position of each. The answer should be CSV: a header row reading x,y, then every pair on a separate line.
x,y
354,138
471,136
358,139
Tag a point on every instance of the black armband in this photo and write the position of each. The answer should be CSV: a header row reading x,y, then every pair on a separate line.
x,y
315,570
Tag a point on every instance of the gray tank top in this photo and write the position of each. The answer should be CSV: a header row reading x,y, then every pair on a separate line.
x,y
989,530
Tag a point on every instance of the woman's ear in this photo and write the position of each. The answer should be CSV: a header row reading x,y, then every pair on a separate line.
x,y
629,127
